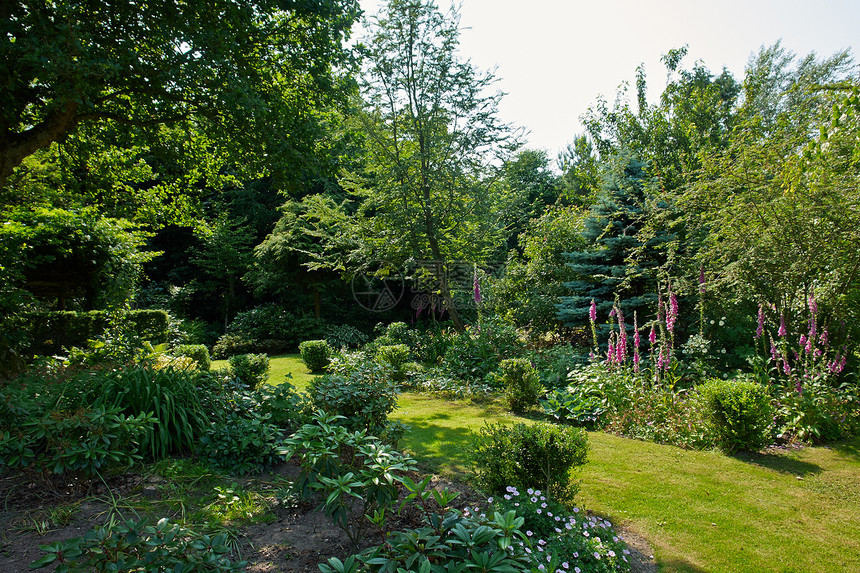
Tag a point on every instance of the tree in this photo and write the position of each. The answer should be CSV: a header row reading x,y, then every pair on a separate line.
x,y
618,260
232,68
427,188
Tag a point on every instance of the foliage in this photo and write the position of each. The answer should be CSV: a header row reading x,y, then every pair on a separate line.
x,y
569,541
86,441
521,383
541,455
450,541
281,405
344,336
437,383
198,352
478,351
528,292
229,345
250,369
574,405
357,475
242,444
739,413
395,357
137,546
316,354
818,412
363,396
263,325
74,258
431,137
554,364
171,396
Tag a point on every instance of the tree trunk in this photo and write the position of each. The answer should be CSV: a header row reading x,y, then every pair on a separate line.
x,y
15,147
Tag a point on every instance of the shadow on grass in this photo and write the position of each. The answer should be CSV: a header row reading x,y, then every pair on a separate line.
x,y
780,463
439,449
680,566
848,449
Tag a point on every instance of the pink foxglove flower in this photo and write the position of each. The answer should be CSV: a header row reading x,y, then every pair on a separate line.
x,y
672,314
592,312
652,338
702,279
760,330
782,330
477,288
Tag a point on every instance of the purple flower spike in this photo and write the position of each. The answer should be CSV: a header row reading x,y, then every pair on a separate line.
x,y
702,279
760,330
592,312
477,288
782,331
652,338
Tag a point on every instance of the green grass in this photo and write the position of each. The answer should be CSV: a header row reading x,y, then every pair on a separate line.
x,y
279,368
701,511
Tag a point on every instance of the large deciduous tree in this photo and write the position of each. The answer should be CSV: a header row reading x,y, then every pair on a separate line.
x,y
244,69
432,136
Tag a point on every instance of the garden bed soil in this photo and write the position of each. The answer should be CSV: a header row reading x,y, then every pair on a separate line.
x,y
296,539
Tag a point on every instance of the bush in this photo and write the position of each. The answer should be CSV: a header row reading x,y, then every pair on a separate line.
x,y
738,412
344,336
364,396
85,441
316,354
250,369
477,352
521,383
541,456
136,546
242,444
273,322
285,407
357,475
818,413
232,344
574,406
395,356
198,352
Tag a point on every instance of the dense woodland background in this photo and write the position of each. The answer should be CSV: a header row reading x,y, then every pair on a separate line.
x,y
263,161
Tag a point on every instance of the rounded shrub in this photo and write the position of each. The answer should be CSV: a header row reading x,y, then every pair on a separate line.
x,y
197,352
250,369
364,396
521,382
541,455
738,412
316,354
395,356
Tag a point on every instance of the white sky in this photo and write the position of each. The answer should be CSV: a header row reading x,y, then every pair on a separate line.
x,y
554,57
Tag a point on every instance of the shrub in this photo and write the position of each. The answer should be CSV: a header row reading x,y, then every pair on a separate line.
x,y
394,356
477,352
232,344
316,354
540,456
818,412
344,336
555,364
273,322
738,412
85,441
357,474
242,444
198,352
364,396
250,369
285,407
136,546
521,383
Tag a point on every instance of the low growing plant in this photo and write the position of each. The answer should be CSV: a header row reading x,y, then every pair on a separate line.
x,y
521,383
242,444
198,352
137,546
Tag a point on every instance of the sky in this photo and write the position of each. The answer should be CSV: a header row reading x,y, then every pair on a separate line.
x,y
554,58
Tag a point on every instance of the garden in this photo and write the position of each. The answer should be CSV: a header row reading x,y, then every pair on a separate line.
x,y
272,299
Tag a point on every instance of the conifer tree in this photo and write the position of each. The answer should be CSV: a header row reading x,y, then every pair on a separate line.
x,y
619,260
